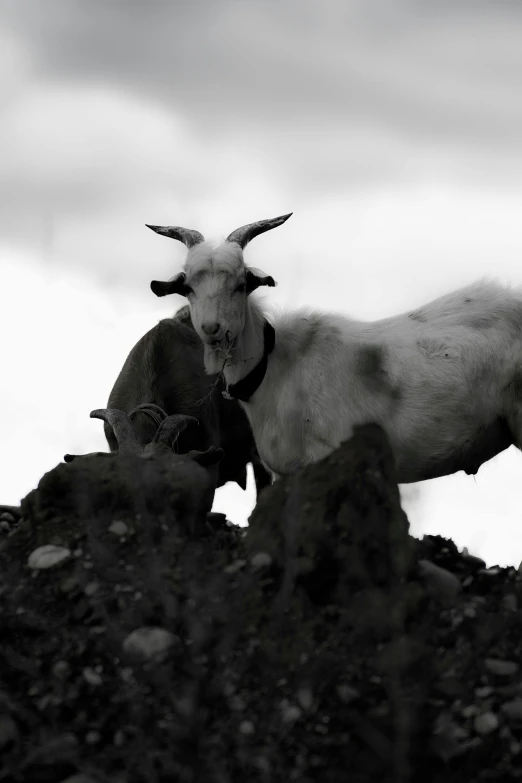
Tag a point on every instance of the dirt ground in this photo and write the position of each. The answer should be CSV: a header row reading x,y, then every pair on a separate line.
x,y
322,643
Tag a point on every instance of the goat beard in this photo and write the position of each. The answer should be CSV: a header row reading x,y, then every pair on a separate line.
x,y
220,355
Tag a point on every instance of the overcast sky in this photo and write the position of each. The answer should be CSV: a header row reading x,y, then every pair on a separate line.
x,y
393,131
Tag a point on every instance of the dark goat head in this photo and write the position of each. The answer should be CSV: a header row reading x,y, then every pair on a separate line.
x,y
169,429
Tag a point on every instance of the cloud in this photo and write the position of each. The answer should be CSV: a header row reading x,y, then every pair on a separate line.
x,y
439,70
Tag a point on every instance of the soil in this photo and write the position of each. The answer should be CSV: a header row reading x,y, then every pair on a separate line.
x,y
322,643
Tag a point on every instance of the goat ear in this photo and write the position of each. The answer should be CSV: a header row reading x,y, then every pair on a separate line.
x,y
174,286
255,278
207,458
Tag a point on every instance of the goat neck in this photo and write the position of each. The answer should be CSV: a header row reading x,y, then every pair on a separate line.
x,y
245,370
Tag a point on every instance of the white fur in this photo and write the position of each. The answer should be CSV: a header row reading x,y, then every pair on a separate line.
x,y
435,379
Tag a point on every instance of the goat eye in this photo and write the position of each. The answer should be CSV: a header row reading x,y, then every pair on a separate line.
x,y
187,290
241,288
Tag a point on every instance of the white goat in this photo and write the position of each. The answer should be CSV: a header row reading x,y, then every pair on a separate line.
x,y
444,381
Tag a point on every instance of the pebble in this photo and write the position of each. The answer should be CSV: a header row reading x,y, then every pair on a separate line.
x,y
261,560
118,528
61,669
48,556
473,559
510,602
119,738
6,516
291,714
440,583
91,588
150,642
501,668
246,727
5,526
234,567
512,709
92,737
470,711
485,723
69,584
483,692
92,677
305,698
347,694
8,730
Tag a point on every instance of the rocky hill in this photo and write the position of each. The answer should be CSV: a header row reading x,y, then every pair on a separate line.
x,y
323,643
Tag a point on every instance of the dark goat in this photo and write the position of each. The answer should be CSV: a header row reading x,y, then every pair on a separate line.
x,y
164,374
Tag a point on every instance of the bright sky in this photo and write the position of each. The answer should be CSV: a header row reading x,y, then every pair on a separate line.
x,y
394,137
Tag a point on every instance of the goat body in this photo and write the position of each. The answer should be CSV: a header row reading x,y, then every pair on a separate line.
x,y
165,369
444,381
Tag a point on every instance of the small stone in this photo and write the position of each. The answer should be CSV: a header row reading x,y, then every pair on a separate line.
x,y
494,571
305,698
246,727
501,668
150,642
291,714
473,559
470,711
234,567
347,694
48,556
440,583
510,602
261,560
61,669
485,723
512,710
483,692
92,677
8,730
69,584
5,526
6,516
92,737
91,588
470,612
119,738
118,528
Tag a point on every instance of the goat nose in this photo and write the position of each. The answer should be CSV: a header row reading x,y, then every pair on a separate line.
x,y
210,327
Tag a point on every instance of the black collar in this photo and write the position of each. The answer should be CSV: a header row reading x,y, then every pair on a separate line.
x,y
245,388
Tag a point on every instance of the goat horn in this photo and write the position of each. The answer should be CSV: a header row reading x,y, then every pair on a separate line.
x,y
122,428
242,236
188,236
171,428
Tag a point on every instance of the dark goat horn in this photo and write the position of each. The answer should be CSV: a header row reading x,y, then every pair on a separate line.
x,y
242,236
188,236
171,428
122,428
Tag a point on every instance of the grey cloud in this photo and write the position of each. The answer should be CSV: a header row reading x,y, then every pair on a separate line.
x,y
449,70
